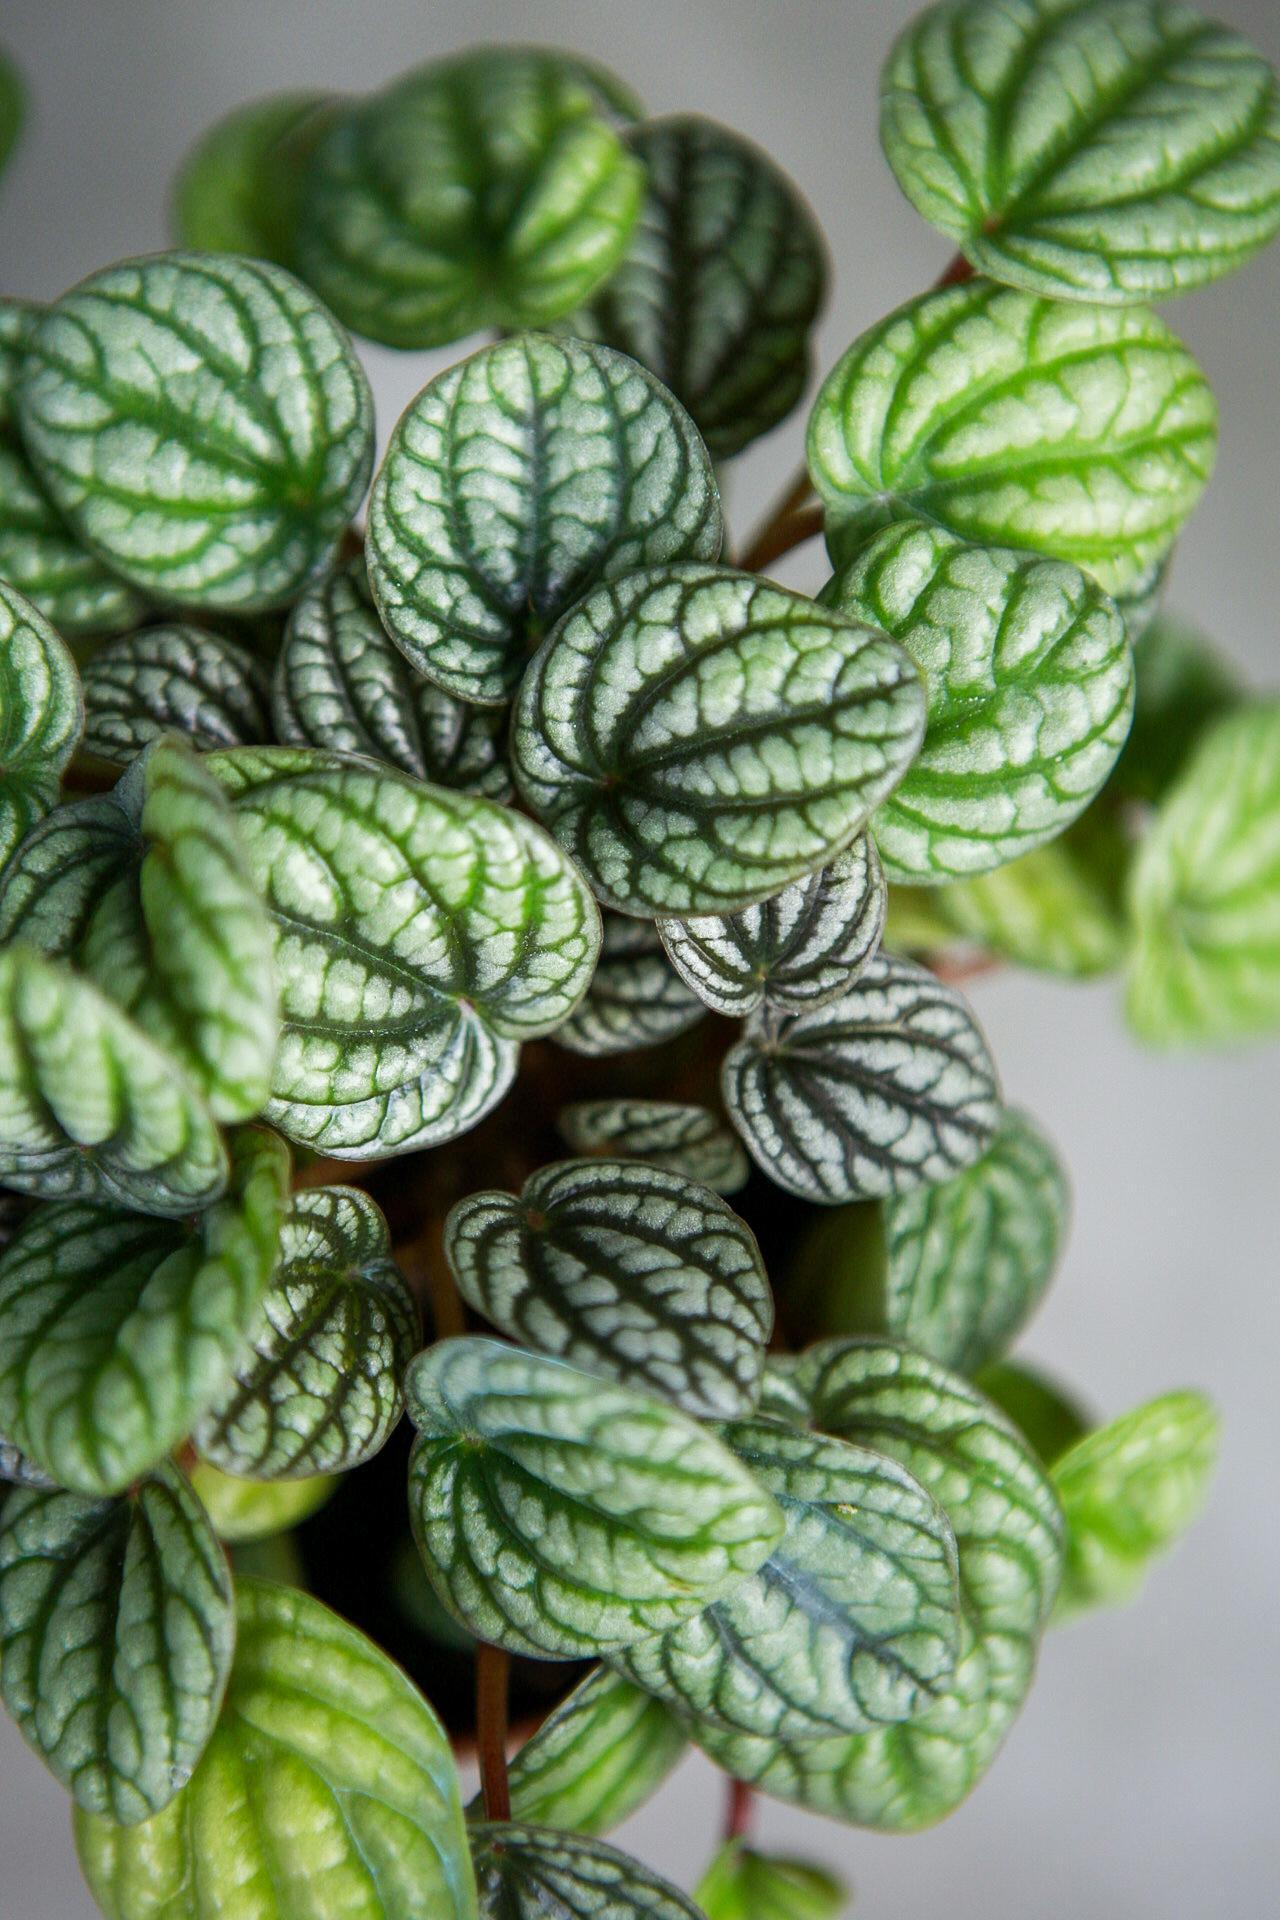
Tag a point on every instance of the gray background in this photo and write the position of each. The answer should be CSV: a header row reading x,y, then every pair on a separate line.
x,y
1142,1779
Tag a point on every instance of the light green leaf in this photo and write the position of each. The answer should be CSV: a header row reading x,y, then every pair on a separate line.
x,y
249,1510
41,558
41,716
486,190
741,1884
327,1790
202,423
698,738
117,1331
318,1389
721,283
1042,1411
624,1270
1182,685
1129,1491
173,679
1029,682
684,1139
116,1632
888,1088
537,1873
596,1758
1085,433
852,1623
513,484
1117,152
560,1515
635,999
1204,892
237,190
13,106
784,1393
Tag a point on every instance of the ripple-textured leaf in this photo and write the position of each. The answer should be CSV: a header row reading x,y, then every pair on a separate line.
x,y
684,1139
559,1515
42,559
328,1789
41,716
173,679
1117,152
237,190
538,1873
1085,433
636,998
624,1270
698,738
743,1884
202,423
595,1759
116,1632
513,484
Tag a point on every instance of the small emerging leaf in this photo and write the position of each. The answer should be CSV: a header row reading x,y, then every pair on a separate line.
x,y
741,1884
684,1139
173,679
537,1873
635,999
597,1758
41,716
238,189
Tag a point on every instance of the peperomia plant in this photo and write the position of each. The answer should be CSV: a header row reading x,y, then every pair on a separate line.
x,y
515,916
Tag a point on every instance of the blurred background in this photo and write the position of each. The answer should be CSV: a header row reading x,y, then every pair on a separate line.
x,y
1141,1782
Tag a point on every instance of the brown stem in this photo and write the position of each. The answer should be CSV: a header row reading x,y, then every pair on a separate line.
x,y
955,273
791,520
492,1670
954,973
739,1810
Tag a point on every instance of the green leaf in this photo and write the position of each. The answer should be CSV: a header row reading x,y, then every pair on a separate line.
x,y
721,283
635,999
1039,1408
13,107
1204,893
559,1515
116,1632
90,1108
173,679
852,1623
1182,685
741,1884
698,738
538,1873
595,1759
41,716
250,1510
623,1270
513,484
340,683
1118,152
18,1470
687,1140
41,558
327,1790
15,316
318,1389
117,1331
486,190
784,1394
1129,1491
420,934
1085,433
238,188
888,1088
202,423
1029,680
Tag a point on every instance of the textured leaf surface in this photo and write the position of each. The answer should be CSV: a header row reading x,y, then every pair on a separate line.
x,y
742,1884
40,717
560,1515
1117,152
42,559
721,283
173,679
537,1873
124,380
1029,681
1182,685
251,1510
635,999
513,484
238,188
698,738
318,1389
596,1758
17,1469
117,1331
888,1088
1085,433
116,1631
328,1790
684,1139
624,1270
1042,1411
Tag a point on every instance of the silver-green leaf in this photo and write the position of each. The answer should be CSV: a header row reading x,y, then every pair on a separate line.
x,y
684,1139
538,1873
596,1758
636,999
41,715
173,679
42,559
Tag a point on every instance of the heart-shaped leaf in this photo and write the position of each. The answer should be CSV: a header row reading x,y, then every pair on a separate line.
x,y
684,1139
1116,153
487,190
889,1087
625,1270
116,1631
1182,685
41,716
1042,1411
42,559
328,1789
244,1511
318,1389
13,104
238,188
596,1758
1085,433
539,1873
560,1515
202,423
1029,682
698,737
173,679
513,484
635,999
722,281
799,948
741,1884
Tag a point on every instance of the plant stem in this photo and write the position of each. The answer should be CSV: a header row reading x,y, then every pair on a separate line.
x,y
794,518
493,1666
954,274
739,1810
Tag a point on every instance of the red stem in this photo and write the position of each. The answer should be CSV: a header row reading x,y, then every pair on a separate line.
x,y
739,1810
955,273
493,1666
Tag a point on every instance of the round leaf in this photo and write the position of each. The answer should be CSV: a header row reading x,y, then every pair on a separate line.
x,y
172,679
595,1759
684,1139
237,191
513,484
741,1884
538,1873
244,1511
697,737
634,1000
42,559
40,717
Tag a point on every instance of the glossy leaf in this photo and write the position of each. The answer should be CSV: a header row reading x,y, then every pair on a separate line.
x,y
1042,1411
537,1873
1123,152
173,679
888,1088
116,1631
1084,433
41,558
1029,680
624,1270
697,738
328,1789
246,1511
721,283
635,999
597,1758
41,716
513,484
124,376
1182,686
559,1515
686,1140
318,1388
742,1884
238,188
12,108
